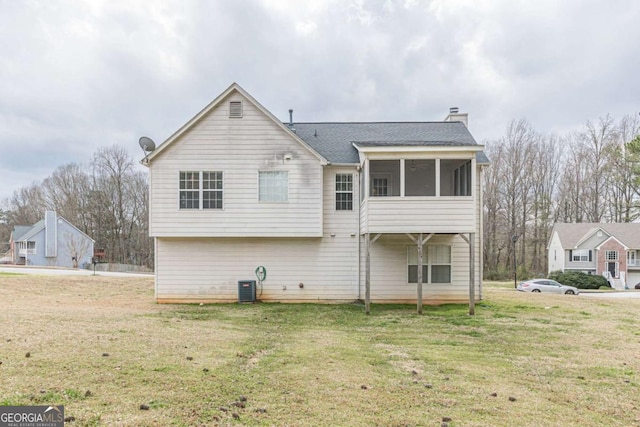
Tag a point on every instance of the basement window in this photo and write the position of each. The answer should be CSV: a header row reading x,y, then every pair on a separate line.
x,y
235,109
436,264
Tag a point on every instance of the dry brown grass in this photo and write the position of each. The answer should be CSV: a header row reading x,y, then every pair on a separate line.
x,y
102,347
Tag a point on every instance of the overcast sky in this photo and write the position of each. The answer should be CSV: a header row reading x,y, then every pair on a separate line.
x,y
79,75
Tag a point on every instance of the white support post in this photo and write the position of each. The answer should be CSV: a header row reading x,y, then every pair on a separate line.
x,y
419,273
367,280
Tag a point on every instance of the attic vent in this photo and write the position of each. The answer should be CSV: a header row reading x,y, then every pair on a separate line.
x,y
235,109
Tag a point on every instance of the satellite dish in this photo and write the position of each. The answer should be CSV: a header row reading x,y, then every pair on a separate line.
x,y
147,146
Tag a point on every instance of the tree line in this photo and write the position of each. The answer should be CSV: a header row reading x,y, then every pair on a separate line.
x,y
536,180
107,199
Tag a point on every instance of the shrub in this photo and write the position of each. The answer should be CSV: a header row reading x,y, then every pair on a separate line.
x,y
498,275
579,279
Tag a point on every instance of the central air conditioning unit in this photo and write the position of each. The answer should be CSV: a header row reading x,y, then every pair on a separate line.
x,y
247,291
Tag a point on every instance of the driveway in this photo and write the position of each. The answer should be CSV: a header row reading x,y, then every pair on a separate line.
x,y
618,295
43,271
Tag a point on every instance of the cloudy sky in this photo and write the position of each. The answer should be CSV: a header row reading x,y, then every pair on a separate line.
x,y
79,75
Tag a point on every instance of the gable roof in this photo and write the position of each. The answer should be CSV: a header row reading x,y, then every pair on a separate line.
x,y
626,248
571,235
35,229
19,231
335,140
24,232
215,103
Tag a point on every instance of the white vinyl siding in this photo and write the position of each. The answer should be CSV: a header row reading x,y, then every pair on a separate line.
x,y
240,148
208,269
556,254
406,215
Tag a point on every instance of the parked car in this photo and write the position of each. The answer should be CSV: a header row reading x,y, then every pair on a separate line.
x,y
546,285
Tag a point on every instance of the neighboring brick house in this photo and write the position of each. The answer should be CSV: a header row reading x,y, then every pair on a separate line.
x,y
611,250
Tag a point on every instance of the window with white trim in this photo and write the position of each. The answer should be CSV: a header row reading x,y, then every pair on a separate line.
x,y
344,192
190,190
273,186
611,255
581,255
196,186
436,264
212,190
412,261
440,256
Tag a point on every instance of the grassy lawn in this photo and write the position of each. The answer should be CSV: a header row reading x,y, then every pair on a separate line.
x,y
103,348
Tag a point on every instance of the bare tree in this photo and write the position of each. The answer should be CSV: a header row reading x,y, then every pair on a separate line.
x,y
620,180
75,248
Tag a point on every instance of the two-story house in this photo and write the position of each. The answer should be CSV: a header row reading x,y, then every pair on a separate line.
x,y
611,250
328,212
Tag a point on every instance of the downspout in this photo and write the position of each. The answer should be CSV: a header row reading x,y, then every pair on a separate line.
x,y
359,170
480,249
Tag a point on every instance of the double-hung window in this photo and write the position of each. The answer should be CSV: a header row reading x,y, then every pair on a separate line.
x,y
412,270
201,190
440,257
344,192
581,255
190,190
273,186
436,264
212,190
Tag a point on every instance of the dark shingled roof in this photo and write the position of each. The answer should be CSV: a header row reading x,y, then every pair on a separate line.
x,y
334,141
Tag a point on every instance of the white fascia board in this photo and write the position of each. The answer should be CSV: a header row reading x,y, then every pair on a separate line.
x,y
419,149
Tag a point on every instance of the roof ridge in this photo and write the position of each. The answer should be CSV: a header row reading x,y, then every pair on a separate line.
x,y
372,122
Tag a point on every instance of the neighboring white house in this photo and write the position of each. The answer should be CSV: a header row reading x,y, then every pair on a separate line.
x,y
333,212
52,241
611,250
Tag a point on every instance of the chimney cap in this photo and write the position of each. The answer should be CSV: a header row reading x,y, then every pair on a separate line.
x,y
453,110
